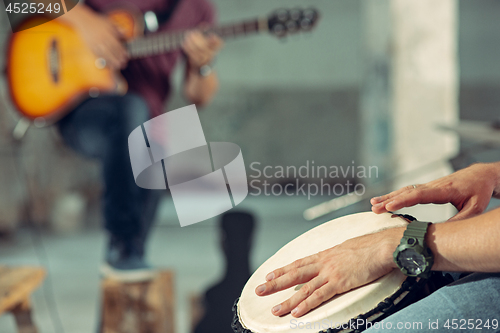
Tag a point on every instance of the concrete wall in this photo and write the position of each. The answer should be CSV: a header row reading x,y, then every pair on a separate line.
x,y
286,102
479,51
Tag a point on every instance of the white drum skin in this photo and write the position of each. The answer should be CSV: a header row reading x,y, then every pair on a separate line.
x,y
255,311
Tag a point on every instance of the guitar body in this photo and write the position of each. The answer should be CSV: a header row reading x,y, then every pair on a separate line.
x,y
51,69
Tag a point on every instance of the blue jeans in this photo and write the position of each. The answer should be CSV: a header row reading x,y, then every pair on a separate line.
x,y
462,306
99,128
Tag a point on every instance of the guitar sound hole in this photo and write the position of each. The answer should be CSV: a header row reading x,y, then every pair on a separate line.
x,y
54,61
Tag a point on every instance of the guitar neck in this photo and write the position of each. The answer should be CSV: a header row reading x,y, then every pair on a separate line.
x,y
167,42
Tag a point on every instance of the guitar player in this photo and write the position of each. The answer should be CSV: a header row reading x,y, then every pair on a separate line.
x,y
99,127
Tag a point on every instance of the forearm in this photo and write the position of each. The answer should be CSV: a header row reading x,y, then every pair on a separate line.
x,y
200,89
469,245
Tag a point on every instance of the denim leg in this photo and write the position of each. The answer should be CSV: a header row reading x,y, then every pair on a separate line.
x,y
100,128
475,297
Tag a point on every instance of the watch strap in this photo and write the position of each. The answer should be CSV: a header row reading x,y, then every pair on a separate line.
x,y
414,237
417,229
205,70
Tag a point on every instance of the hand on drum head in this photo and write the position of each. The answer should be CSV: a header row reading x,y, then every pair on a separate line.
x,y
354,263
469,190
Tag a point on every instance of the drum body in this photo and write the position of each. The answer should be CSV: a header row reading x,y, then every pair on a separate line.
x,y
366,303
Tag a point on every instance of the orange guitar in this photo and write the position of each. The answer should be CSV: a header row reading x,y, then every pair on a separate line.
x,y
50,69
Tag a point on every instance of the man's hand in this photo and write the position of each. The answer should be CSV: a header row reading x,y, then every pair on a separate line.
x,y
351,264
200,49
101,36
469,190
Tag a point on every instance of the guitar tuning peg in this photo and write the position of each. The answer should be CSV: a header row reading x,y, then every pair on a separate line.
x,y
306,24
295,14
292,26
282,14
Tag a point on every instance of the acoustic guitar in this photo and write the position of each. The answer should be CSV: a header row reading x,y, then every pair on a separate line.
x,y
50,69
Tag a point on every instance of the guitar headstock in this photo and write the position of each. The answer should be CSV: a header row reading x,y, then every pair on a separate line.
x,y
289,21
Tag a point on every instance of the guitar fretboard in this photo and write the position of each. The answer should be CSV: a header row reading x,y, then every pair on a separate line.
x,y
166,42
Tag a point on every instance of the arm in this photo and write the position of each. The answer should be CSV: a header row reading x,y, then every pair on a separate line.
x,y
466,245
200,50
101,36
469,190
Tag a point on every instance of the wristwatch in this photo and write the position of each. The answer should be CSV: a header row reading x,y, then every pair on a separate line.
x,y
412,256
205,70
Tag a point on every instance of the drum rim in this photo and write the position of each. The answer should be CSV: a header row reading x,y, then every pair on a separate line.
x,y
383,309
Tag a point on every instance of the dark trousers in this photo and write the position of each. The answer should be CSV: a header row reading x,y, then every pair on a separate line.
x,y
99,128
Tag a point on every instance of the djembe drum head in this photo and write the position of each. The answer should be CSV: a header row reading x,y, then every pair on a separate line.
x,y
360,306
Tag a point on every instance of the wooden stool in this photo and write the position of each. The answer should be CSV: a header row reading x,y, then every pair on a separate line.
x,y
16,286
142,307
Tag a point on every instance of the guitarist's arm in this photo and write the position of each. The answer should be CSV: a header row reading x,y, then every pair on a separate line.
x,y
200,50
99,33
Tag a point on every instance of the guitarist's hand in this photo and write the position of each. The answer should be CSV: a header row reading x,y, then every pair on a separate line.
x,y
102,37
200,49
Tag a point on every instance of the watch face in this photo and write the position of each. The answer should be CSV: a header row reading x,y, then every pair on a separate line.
x,y
412,261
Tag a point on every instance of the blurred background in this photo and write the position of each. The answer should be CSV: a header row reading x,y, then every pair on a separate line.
x,y
367,87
